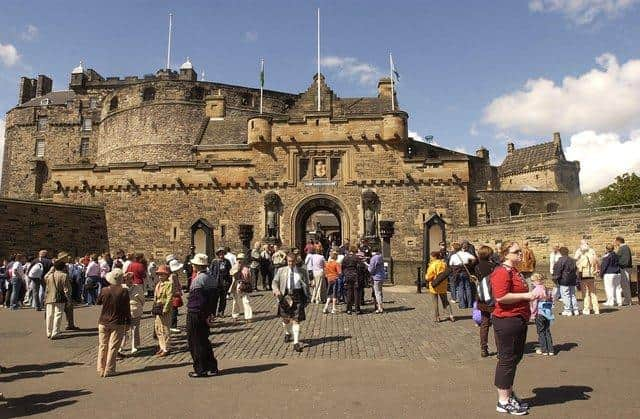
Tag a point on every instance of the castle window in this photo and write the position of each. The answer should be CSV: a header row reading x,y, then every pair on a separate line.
x,y
93,103
84,147
87,124
515,209
39,151
43,123
196,93
113,104
148,94
246,100
553,207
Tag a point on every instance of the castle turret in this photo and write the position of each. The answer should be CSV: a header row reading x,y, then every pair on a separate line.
x,y
43,86
483,153
510,147
215,106
187,72
259,129
384,87
394,125
78,77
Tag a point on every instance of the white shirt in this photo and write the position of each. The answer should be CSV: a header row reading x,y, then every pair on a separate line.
x,y
231,258
461,258
297,279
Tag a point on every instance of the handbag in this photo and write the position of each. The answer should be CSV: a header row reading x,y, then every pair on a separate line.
x,y
176,301
157,309
441,277
245,287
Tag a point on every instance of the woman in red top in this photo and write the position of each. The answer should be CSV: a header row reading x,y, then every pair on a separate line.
x,y
510,318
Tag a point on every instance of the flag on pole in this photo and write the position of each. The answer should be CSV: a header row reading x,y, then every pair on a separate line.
x,y
262,73
394,70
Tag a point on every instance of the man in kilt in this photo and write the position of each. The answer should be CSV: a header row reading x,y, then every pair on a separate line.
x,y
291,287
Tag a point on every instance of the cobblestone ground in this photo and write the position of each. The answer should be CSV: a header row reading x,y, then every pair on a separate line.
x,y
405,331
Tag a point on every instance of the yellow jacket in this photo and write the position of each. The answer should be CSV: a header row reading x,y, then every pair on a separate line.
x,y
436,266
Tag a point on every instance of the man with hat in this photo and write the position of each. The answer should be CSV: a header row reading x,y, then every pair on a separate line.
x,y
57,294
201,309
115,316
220,271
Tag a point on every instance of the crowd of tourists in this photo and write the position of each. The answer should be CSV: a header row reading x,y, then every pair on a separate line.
x,y
504,290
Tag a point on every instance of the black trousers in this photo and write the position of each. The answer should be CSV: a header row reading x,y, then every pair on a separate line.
x,y
510,335
354,296
220,299
267,278
199,345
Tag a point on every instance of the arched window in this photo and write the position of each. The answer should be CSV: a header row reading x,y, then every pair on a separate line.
x,y
553,207
515,208
113,104
148,94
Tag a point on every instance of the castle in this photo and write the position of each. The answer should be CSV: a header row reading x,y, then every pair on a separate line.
x,y
176,161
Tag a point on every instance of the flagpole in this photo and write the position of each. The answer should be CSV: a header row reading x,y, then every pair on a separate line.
x,y
318,60
393,104
261,81
169,46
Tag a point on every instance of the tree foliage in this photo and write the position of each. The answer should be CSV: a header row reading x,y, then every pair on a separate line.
x,y
625,190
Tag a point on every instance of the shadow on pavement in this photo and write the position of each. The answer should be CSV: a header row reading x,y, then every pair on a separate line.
x,y
400,308
327,339
252,368
565,347
557,395
27,374
40,403
40,367
153,368
70,335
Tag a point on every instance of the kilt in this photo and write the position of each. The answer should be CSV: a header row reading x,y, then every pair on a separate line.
x,y
296,311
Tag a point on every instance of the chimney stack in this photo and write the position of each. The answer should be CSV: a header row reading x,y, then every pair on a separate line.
x,y
27,90
483,153
556,138
510,148
44,85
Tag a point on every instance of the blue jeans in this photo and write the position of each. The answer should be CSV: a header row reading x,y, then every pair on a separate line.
x,y
453,286
340,288
90,290
37,293
16,285
464,292
569,300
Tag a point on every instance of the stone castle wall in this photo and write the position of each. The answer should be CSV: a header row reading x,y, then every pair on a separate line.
x,y
29,226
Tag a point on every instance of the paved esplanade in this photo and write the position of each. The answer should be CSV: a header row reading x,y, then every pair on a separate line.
x,y
393,365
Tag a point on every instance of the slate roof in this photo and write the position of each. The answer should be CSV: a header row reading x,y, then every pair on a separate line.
x,y
530,158
55,98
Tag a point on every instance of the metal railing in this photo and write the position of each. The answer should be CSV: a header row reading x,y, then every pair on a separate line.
x,y
559,214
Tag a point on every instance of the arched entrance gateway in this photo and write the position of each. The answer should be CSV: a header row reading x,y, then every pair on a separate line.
x,y
319,216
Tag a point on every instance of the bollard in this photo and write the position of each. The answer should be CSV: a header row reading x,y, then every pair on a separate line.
x,y
419,281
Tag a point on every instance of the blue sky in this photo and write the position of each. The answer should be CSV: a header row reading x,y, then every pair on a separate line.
x,y
471,73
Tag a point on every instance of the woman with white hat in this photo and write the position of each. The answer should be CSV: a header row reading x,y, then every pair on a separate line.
x,y
114,318
241,287
176,299
162,309
201,310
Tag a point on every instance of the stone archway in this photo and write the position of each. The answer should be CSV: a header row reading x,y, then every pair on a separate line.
x,y
311,205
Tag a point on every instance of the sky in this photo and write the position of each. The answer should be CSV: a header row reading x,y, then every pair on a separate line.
x,y
471,73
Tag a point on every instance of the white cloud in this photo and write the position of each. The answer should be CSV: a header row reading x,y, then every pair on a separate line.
x,y
473,131
250,36
605,99
352,69
603,156
30,33
9,55
582,12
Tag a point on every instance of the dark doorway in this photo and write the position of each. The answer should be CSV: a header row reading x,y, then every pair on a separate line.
x,y
433,232
202,237
321,219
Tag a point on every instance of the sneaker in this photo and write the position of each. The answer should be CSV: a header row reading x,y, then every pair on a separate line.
x,y
333,311
518,401
576,312
175,330
550,353
511,408
325,311
566,313
484,353
586,312
539,351
133,351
